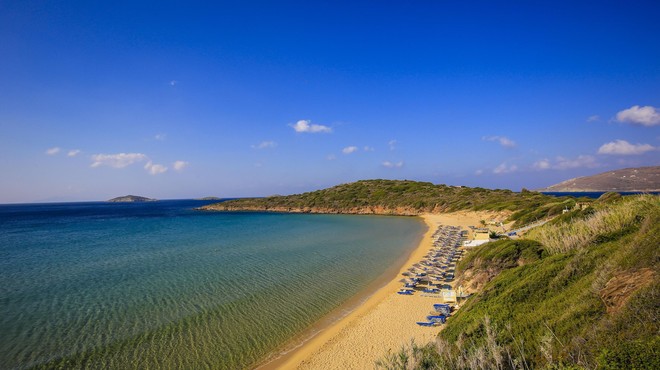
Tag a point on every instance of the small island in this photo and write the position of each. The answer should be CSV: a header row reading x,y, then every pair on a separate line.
x,y
208,198
131,199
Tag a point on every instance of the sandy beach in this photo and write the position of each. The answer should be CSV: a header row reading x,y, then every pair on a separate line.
x,y
383,323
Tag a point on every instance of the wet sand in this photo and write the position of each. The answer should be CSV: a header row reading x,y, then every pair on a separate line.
x,y
384,323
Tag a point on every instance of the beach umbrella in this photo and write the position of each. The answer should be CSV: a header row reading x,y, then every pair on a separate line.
x,y
426,278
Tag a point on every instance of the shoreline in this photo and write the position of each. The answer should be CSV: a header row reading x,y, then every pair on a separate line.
x,y
344,312
382,323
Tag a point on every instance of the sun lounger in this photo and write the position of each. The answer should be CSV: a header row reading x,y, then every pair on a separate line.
x,y
427,323
437,318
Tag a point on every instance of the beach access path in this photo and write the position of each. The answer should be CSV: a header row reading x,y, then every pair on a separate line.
x,y
384,323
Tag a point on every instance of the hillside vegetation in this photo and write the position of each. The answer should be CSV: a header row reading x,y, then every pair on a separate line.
x,y
582,291
396,197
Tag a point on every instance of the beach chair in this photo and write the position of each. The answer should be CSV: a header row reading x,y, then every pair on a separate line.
x,y
442,308
427,323
437,318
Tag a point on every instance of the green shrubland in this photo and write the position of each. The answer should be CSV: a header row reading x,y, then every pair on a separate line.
x,y
416,197
547,304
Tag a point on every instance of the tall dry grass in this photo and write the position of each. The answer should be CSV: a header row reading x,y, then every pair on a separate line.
x,y
580,233
492,354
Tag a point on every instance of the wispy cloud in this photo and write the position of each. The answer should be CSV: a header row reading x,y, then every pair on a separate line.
x,y
53,151
503,140
119,160
349,149
180,165
563,163
586,161
331,157
542,164
392,144
368,149
645,116
155,169
504,168
73,152
264,145
479,172
307,126
173,82
160,137
389,164
622,147
594,118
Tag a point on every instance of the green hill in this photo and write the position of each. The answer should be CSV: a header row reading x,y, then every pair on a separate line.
x,y
402,197
582,291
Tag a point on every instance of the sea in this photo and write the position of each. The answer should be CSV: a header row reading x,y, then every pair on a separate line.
x,y
162,285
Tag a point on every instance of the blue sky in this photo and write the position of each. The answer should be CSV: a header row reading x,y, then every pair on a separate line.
x,y
180,100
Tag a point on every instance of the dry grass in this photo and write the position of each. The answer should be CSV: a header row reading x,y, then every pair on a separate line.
x,y
580,233
463,354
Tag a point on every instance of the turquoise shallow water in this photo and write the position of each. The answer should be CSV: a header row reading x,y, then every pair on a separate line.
x,y
159,285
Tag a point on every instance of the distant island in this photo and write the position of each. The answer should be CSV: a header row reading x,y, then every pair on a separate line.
x,y
640,179
208,198
131,198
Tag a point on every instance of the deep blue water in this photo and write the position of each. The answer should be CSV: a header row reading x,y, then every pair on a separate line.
x,y
139,285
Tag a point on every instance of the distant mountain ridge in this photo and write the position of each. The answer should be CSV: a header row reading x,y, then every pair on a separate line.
x,y
130,199
641,179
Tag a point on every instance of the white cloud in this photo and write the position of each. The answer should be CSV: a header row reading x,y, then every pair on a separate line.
x,y
622,147
563,163
160,137
119,160
173,82
504,168
369,149
503,140
331,157
180,165
389,164
73,152
542,164
587,161
392,144
154,169
53,151
349,149
305,125
645,116
264,145
479,172
594,118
